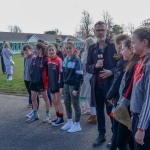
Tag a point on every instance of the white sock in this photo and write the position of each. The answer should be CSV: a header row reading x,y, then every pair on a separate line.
x,y
93,110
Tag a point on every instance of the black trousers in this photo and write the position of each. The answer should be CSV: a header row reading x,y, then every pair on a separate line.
x,y
100,103
27,84
146,145
121,137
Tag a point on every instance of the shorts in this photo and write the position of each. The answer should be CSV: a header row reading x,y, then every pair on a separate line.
x,y
54,91
37,87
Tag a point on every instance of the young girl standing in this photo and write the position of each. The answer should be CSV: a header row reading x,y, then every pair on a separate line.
x,y
140,100
71,76
54,67
27,52
7,56
39,82
85,94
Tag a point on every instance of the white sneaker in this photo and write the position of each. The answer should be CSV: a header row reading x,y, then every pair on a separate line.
x,y
47,119
67,126
29,114
75,128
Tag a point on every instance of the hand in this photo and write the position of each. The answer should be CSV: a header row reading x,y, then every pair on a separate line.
x,y
99,64
74,93
105,73
111,101
139,137
61,91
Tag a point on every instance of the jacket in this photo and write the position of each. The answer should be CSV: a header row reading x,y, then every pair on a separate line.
x,y
71,72
114,89
109,63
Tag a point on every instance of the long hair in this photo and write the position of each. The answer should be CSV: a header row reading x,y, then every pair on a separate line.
x,y
89,41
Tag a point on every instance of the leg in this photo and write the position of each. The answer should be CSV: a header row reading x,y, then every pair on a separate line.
x,y
123,137
100,109
3,65
59,103
76,105
67,101
55,104
45,97
49,96
27,84
34,100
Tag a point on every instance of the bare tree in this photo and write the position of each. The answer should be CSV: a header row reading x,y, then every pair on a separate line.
x,y
146,22
15,29
53,31
130,28
107,18
86,25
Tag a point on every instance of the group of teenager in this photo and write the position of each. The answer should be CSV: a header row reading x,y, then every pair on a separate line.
x,y
115,75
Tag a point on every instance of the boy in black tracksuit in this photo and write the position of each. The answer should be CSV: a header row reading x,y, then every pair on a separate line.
x,y
70,80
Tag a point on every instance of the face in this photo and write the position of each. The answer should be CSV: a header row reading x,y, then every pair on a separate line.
x,y
118,47
138,45
39,51
100,32
69,50
126,52
52,52
27,52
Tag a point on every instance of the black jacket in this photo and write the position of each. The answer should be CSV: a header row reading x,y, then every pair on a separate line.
x,y
71,72
109,63
114,89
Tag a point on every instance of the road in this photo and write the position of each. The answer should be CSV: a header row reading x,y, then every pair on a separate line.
x,y
16,134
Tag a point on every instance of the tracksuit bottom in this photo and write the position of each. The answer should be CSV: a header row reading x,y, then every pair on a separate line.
x,y
146,145
68,98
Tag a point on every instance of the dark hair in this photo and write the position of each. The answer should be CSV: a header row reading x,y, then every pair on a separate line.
x,y
41,46
134,59
42,41
27,46
99,23
143,33
120,38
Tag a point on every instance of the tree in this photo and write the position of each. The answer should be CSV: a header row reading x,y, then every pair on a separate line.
x,y
108,20
14,29
130,28
146,22
86,25
117,29
53,31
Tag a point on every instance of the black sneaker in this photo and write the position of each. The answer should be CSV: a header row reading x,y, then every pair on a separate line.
x,y
59,122
54,120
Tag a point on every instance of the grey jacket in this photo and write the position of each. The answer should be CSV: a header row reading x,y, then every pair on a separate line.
x,y
140,100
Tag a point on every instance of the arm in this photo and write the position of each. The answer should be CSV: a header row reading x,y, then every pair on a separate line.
x,y
62,77
10,52
79,75
59,68
144,118
90,66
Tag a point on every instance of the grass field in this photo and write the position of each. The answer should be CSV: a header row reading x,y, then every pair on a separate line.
x,y
16,86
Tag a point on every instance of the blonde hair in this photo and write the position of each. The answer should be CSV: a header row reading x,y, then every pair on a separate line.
x,y
89,41
7,45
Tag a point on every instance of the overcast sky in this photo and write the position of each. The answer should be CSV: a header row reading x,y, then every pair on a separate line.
x,y
37,16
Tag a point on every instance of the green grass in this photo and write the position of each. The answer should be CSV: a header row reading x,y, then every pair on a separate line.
x,y
16,86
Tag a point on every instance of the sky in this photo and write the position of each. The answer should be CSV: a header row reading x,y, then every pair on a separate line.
x,y
37,16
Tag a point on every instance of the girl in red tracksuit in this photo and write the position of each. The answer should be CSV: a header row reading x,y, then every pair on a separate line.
x,y
39,81
54,67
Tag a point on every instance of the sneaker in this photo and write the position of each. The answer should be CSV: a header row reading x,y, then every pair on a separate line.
x,y
29,114
54,120
47,119
59,122
33,118
75,128
67,126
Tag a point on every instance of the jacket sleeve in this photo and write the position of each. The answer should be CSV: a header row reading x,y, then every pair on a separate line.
x,y
114,89
144,119
59,68
61,85
90,66
79,75
127,90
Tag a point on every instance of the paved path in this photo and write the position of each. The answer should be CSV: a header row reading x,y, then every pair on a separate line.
x,y
16,134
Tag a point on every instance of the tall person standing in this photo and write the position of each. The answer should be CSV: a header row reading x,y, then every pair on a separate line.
x,y
2,60
101,64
